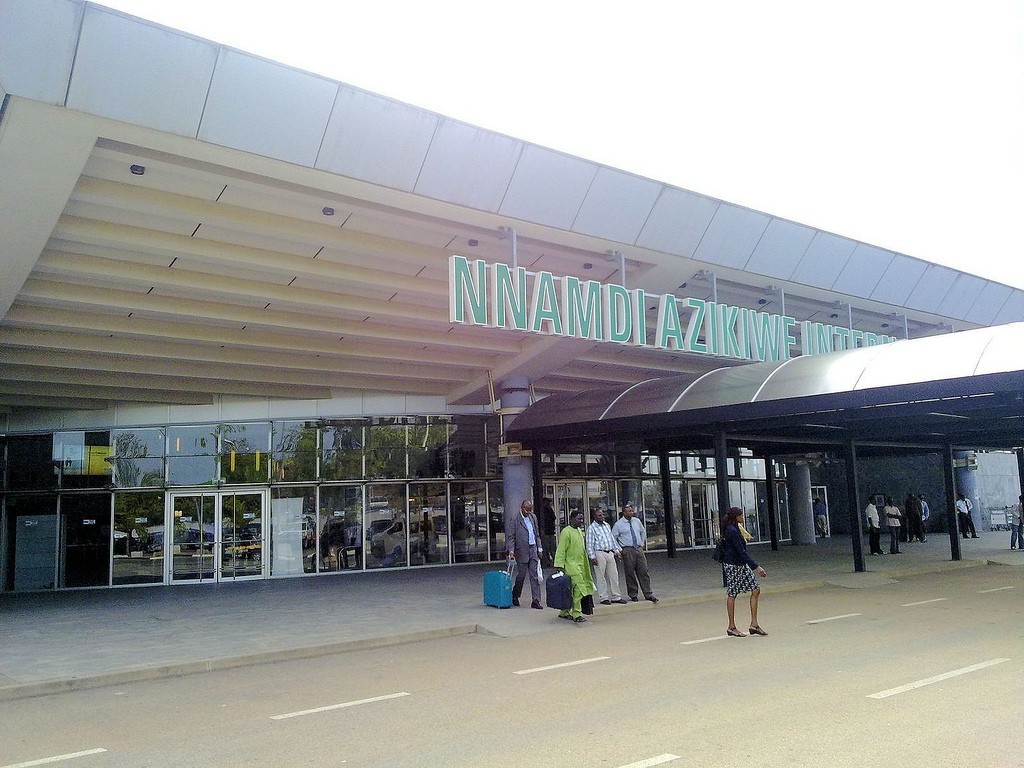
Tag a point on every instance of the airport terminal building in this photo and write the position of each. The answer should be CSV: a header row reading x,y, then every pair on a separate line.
x,y
256,323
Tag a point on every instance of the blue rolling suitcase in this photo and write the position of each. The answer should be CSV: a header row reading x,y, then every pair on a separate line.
x,y
498,587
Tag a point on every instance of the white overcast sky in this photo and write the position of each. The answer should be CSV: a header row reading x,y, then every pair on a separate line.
x,y
896,122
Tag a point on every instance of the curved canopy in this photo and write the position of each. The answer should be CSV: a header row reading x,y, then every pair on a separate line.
x,y
963,388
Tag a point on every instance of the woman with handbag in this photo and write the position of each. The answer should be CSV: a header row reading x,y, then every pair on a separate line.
x,y
741,572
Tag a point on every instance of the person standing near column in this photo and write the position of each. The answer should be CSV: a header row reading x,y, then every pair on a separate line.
x,y
1016,527
603,551
874,529
893,517
926,513
525,548
631,536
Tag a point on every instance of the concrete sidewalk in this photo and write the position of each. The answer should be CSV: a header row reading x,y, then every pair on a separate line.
x,y
59,641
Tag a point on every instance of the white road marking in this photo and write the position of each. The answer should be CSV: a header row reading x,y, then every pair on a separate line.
x,y
560,666
997,589
55,758
339,706
666,758
924,602
705,640
833,618
936,679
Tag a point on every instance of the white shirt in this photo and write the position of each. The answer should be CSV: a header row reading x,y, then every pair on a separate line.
x,y
872,514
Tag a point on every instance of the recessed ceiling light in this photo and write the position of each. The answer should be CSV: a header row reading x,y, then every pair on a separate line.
x,y
587,265
473,242
137,170
328,211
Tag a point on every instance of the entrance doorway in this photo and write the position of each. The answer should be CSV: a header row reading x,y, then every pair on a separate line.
x,y
703,513
217,536
566,498
822,523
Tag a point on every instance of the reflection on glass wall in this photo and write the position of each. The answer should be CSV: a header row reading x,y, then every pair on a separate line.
x,y
137,456
342,444
428,524
192,455
30,463
428,447
653,514
386,448
295,451
496,510
84,557
292,530
138,538
82,459
387,526
469,522
244,453
341,540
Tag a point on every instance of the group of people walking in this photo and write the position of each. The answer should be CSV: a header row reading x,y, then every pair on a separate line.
x,y
601,548
591,558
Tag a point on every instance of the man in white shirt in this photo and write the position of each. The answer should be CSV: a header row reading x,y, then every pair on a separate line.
x,y
963,513
874,529
603,551
631,535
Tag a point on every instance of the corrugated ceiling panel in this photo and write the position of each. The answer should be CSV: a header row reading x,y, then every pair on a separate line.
x,y
991,299
961,297
732,236
824,260
37,44
898,280
780,249
142,74
863,271
376,139
616,206
932,288
468,166
290,107
678,222
1013,310
548,187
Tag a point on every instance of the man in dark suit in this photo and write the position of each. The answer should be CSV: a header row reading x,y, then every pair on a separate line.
x,y
524,546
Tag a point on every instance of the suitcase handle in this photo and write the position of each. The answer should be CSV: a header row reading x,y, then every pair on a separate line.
x,y
510,569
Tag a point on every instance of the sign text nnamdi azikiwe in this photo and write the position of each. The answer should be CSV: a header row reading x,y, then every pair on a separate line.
x,y
500,296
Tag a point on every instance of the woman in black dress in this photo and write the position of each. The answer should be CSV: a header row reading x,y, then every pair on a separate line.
x,y
741,572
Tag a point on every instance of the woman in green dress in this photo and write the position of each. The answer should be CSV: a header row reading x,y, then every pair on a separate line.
x,y
571,558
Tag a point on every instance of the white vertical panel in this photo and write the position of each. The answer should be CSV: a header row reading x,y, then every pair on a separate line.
x,y
824,260
991,299
931,288
677,222
898,280
37,44
863,271
548,187
376,139
468,166
267,109
616,206
137,72
780,249
732,236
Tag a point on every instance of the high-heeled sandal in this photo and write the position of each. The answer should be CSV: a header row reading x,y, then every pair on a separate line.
x,y
733,632
757,631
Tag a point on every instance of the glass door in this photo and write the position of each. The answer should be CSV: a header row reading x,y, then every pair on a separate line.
x,y
216,536
241,535
566,498
704,513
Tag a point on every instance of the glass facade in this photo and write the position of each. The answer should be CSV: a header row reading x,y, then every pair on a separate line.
x,y
266,499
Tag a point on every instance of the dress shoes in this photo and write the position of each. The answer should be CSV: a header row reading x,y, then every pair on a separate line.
x,y
606,602
621,601
536,604
633,598
515,601
652,598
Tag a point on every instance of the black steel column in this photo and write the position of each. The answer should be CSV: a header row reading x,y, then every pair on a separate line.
x,y
666,497
853,502
1020,468
773,502
951,521
721,474
538,481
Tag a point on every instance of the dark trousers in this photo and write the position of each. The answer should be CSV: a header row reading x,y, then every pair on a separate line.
x,y
967,525
874,541
522,569
634,564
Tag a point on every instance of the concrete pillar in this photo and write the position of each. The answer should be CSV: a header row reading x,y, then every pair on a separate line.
x,y
801,514
967,484
517,471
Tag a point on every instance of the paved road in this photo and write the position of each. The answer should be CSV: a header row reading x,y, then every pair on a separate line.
x,y
923,671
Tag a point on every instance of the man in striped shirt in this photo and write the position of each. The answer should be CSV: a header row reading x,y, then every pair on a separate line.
x,y
603,551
